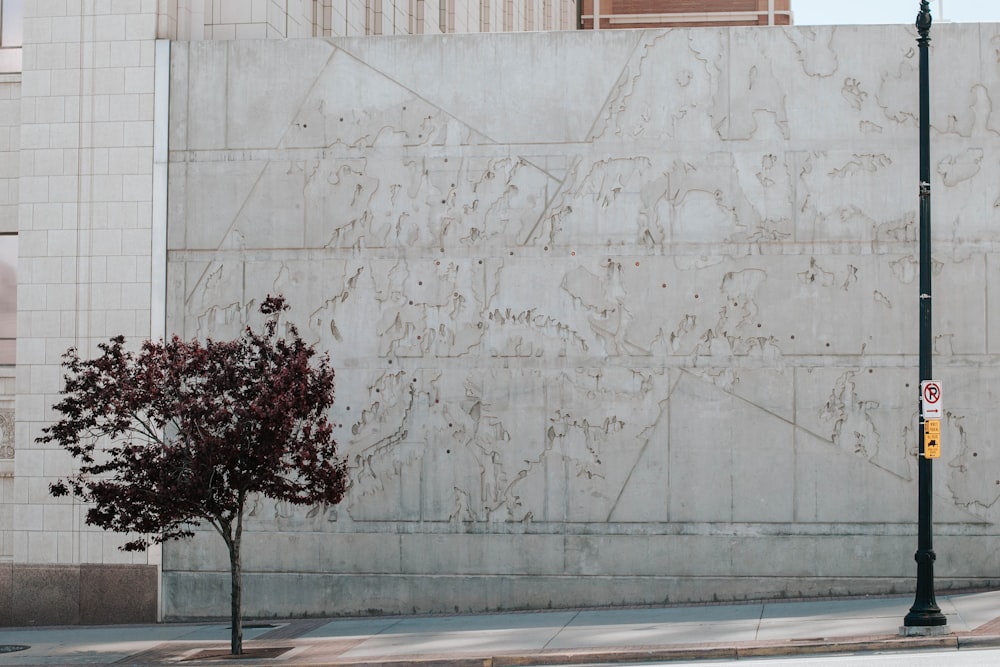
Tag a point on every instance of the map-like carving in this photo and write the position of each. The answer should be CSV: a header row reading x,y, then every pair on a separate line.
x,y
382,424
895,96
972,476
604,299
853,93
510,323
629,113
814,50
757,108
957,168
856,428
974,119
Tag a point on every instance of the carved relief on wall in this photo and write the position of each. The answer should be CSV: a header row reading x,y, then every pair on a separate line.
x,y
6,433
578,329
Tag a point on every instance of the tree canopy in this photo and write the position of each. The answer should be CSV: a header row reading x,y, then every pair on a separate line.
x,y
183,432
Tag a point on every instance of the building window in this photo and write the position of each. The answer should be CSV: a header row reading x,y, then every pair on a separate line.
x,y
8,298
11,30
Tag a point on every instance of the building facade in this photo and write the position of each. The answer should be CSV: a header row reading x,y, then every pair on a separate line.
x,y
80,190
261,19
605,332
611,14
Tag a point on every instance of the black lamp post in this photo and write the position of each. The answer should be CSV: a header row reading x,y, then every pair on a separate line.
x,y
925,611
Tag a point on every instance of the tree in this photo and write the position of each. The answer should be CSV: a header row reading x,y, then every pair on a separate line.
x,y
182,433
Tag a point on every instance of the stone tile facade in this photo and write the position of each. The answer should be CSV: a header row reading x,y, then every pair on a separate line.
x,y
84,210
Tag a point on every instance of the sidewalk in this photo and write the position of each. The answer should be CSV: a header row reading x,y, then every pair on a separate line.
x,y
522,638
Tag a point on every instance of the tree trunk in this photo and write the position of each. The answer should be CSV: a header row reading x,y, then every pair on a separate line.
x,y
236,595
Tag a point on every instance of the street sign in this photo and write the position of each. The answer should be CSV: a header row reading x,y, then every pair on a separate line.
x,y
931,406
932,439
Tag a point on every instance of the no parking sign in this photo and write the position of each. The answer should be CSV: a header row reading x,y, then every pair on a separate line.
x,y
931,406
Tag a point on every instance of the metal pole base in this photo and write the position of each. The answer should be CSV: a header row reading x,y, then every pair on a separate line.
x,y
925,618
925,611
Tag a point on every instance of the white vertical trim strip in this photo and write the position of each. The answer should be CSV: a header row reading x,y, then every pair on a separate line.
x,y
161,112
597,14
158,234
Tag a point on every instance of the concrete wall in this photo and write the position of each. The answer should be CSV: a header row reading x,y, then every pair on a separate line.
x,y
618,317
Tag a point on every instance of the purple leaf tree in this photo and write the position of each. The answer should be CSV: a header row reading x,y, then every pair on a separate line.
x,y
183,433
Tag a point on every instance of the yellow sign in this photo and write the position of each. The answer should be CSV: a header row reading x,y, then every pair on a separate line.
x,y
932,439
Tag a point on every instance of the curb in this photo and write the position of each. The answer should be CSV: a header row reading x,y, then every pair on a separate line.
x,y
625,655
978,641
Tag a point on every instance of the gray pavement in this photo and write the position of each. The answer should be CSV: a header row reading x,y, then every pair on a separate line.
x,y
729,631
